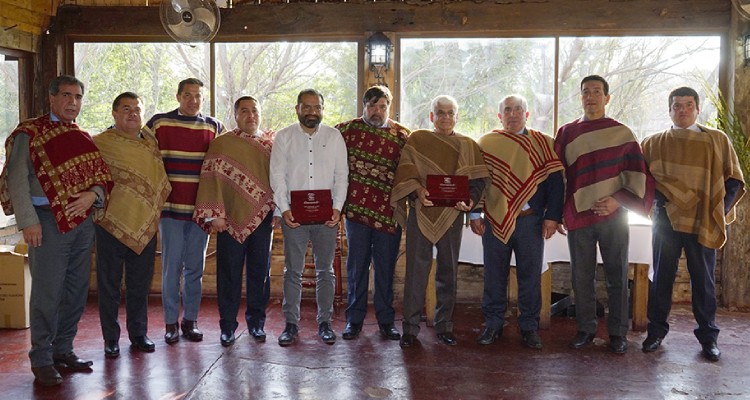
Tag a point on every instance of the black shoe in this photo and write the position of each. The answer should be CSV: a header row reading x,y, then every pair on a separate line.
x,y
651,343
47,376
389,331
111,348
531,339
173,333
447,338
227,338
407,340
71,361
351,331
618,344
191,331
326,333
290,333
258,334
489,335
142,343
581,339
711,351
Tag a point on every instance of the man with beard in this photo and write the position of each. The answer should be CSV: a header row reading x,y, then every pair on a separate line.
x,y
374,144
324,168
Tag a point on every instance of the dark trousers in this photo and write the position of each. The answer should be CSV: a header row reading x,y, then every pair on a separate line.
x,y
701,262
254,255
418,265
60,270
528,244
613,237
111,254
370,245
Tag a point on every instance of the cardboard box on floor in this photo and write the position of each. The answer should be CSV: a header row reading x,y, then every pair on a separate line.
x,y
15,286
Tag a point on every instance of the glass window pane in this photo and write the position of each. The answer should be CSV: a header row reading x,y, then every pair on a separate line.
x,y
641,71
9,102
153,70
275,73
478,73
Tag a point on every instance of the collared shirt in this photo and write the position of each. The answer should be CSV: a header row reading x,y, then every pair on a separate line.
x,y
694,127
383,125
300,161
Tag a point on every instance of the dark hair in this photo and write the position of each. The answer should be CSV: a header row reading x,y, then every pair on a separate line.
x,y
375,93
54,86
124,95
310,92
189,81
596,78
684,91
243,98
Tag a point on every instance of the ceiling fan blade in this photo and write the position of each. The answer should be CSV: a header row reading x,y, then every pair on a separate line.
x,y
206,16
182,30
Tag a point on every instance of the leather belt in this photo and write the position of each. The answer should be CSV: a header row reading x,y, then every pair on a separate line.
x,y
526,212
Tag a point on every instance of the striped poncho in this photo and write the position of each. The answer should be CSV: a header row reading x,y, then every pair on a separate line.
x,y
601,158
517,164
373,157
690,169
183,142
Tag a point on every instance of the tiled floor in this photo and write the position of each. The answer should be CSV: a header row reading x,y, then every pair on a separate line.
x,y
371,367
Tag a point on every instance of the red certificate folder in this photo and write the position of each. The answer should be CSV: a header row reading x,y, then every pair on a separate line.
x,y
447,190
311,206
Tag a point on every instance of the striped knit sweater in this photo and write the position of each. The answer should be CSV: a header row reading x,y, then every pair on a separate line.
x,y
183,142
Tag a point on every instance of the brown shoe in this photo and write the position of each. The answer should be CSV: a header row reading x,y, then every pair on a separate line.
x,y
191,331
47,375
173,334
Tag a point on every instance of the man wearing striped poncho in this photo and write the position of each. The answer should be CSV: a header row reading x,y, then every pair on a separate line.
x,y
522,207
605,173
698,182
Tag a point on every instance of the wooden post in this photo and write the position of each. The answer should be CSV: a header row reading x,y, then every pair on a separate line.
x,y
544,314
640,296
430,299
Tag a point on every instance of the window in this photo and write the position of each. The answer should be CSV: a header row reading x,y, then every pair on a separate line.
x,y
9,101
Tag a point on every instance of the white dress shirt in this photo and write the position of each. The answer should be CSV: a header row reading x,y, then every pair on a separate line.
x,y
300,161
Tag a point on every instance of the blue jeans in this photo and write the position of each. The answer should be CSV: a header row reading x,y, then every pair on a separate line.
x,y
183,244
701,262
370,245
528,244
254,256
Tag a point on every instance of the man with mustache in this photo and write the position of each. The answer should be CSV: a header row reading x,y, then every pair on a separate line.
x,y
374,144
698,182
308,156
522,207
53,180
605,173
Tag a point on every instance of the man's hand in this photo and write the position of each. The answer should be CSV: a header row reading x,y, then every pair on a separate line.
x,y
461,206
422,194
605,206
548,228
561,229
219,224
79,207
335,218
32,235
289,219
477,226
276,221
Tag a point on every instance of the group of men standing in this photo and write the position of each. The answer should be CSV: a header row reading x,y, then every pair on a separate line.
x,y
183,173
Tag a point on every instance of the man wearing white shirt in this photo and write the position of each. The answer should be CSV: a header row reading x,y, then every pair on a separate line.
x,y
325,167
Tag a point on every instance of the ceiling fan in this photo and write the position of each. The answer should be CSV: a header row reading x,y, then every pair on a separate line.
x,y
190,21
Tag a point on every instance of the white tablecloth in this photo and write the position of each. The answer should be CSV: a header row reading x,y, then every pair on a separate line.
x,y
556,248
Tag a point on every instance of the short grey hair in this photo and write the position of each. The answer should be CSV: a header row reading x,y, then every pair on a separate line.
x,y
443,99
524,103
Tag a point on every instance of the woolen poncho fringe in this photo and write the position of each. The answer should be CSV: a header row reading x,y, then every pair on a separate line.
x,y
690,169
601,158
430,153
234,183
141,187
517,164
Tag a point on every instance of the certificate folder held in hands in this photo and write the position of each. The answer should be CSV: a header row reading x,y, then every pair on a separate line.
x,y
447,190
311,207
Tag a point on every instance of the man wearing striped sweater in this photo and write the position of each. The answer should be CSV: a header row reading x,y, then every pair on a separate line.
x,y
184,135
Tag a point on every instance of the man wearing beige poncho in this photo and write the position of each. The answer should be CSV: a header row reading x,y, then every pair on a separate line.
x,y
439,152
126,233
698,182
